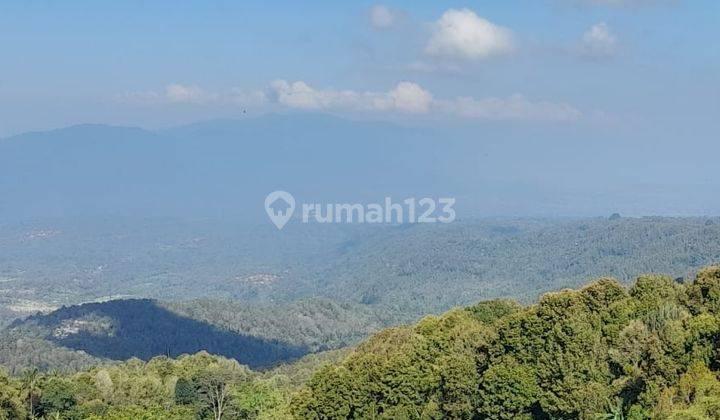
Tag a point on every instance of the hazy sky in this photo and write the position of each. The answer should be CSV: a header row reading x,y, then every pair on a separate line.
x,y
647,68
591,103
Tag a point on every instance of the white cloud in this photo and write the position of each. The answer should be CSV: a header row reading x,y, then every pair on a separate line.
x,y
463,34
599,41
300,95
516,107
406,97
382,17
411,98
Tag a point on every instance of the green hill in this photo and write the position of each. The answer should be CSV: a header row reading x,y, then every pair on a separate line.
x,y
604,351
650,351
260,336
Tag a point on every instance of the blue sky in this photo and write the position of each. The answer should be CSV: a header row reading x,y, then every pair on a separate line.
x,y
646,68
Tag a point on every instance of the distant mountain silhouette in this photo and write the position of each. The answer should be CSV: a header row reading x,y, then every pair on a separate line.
x,y
123,329
227,167
205,169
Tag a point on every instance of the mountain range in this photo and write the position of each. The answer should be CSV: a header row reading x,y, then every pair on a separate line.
x,y
225,168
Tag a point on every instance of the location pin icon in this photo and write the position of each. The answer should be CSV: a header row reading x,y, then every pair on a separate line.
x,y
280,206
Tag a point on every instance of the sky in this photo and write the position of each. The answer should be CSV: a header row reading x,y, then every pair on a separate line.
x,y
646,68
589,105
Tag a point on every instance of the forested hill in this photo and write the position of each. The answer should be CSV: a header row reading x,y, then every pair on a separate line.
x,y
605,351
315,324
259,336
120,330
430,268
410,269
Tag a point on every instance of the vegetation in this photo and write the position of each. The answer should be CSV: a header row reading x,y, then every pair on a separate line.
x,y
189,387
315,324
408,270
601,352
77,337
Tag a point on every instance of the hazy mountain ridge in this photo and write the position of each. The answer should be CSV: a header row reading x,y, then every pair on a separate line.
x,y
196,170
407,270
443,266
205,169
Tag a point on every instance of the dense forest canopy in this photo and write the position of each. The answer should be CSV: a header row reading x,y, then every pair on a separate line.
x,y
651,350
189,387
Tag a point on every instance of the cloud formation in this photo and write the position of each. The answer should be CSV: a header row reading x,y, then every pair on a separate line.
x,y
462,34
599,41
411,98
406,97
382,17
